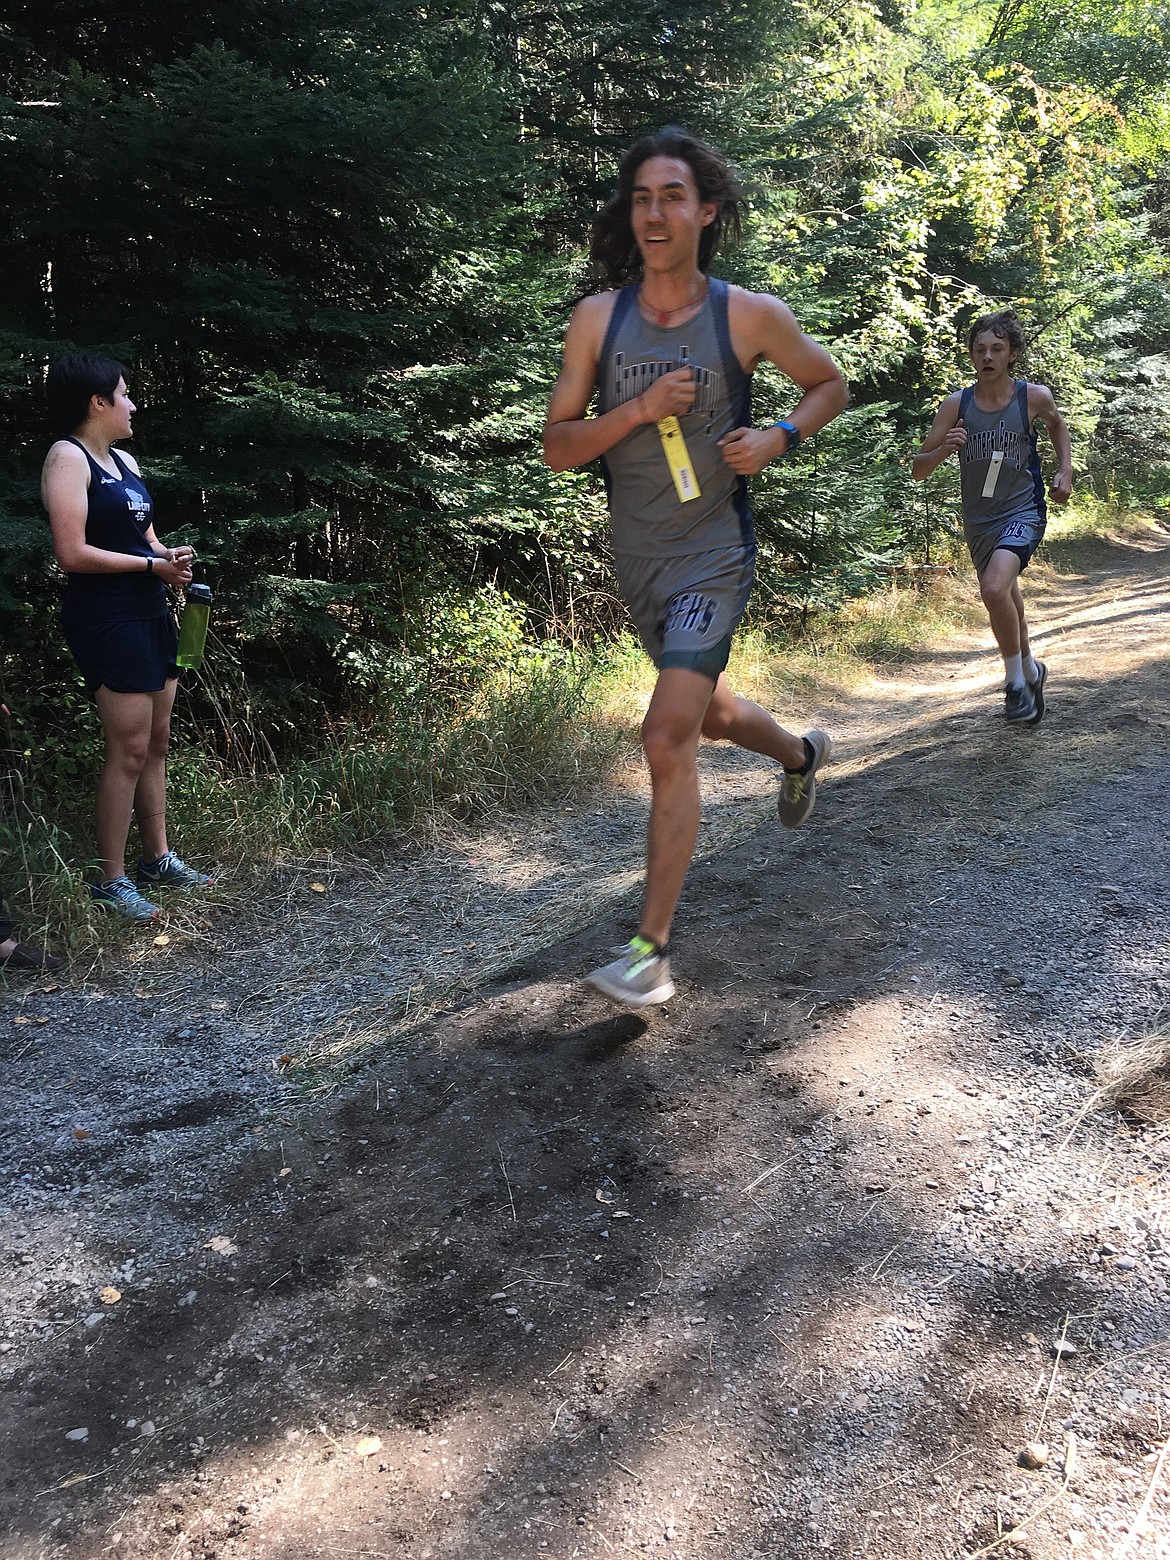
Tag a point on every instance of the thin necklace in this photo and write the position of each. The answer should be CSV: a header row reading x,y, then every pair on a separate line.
x,y
663,316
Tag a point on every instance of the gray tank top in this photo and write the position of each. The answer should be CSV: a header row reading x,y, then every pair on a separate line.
x,y
999,467
647,517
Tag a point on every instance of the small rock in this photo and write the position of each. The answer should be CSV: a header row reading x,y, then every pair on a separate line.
x,y
1033,1455
80,1434
146,1427
1013,982
1126,1263
1063,1349
500,1294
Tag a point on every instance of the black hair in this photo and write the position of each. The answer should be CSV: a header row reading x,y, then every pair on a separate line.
x,y
1005,323
70,383
612,248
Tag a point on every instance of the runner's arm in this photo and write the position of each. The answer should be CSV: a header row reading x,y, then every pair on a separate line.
x,y
946,435
771,333
65,494
1042,407
573,439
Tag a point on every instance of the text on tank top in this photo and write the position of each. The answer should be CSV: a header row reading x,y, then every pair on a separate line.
x,y
999,466
117,518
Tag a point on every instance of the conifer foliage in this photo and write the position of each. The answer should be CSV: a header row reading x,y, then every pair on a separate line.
x,y
336,243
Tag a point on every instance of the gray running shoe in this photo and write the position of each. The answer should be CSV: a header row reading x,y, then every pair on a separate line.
x,y
1019,705
639,975
170,871
798,793
123,899
1037,688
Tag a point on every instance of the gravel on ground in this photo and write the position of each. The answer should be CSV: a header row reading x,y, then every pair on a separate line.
x,y
356,1226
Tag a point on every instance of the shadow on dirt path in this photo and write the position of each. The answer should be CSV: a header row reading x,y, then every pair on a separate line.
x,y
777,1270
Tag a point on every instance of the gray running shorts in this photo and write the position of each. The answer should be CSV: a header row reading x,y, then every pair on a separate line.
x,y
686,609
1020,534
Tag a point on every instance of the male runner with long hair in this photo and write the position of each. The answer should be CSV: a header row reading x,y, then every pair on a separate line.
x,y
669,341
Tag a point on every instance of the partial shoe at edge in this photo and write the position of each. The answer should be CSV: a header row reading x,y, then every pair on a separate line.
x,y
25,957
1037,688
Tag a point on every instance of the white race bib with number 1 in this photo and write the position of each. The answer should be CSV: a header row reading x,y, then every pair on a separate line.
x,y
992,476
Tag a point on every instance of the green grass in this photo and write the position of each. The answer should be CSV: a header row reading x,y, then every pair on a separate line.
x,y
544,731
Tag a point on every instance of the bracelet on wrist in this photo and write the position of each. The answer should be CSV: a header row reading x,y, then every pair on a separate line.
x,y
150,565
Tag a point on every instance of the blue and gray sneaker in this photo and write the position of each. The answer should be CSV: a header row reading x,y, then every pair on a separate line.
x,y
1019,705
1038,692
170,871
120,896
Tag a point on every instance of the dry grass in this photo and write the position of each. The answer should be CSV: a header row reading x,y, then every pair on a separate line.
x,y
1134,1073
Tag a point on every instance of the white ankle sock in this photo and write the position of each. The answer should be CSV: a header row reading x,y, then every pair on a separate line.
x,y
1031,670
1014,670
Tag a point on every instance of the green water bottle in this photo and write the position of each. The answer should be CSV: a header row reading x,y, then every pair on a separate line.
x,y
193,629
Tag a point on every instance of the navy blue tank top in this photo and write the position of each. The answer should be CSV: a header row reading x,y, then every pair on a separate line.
x,y
117,519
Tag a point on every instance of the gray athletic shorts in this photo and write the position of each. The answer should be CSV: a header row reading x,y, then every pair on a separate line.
x,y
686,609
1020,534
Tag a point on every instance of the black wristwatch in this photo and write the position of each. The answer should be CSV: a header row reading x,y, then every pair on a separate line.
x,y
793,433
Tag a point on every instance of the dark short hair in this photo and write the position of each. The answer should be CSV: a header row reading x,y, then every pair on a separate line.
x,y
612,248
70,383
1005,323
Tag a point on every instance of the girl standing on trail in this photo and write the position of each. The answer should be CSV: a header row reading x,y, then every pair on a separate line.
x,y
117,620
991,427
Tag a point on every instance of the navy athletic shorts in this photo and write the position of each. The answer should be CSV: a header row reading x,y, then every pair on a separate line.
x,y
126,657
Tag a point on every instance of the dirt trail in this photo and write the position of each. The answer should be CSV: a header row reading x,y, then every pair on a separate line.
x,y
776,1271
